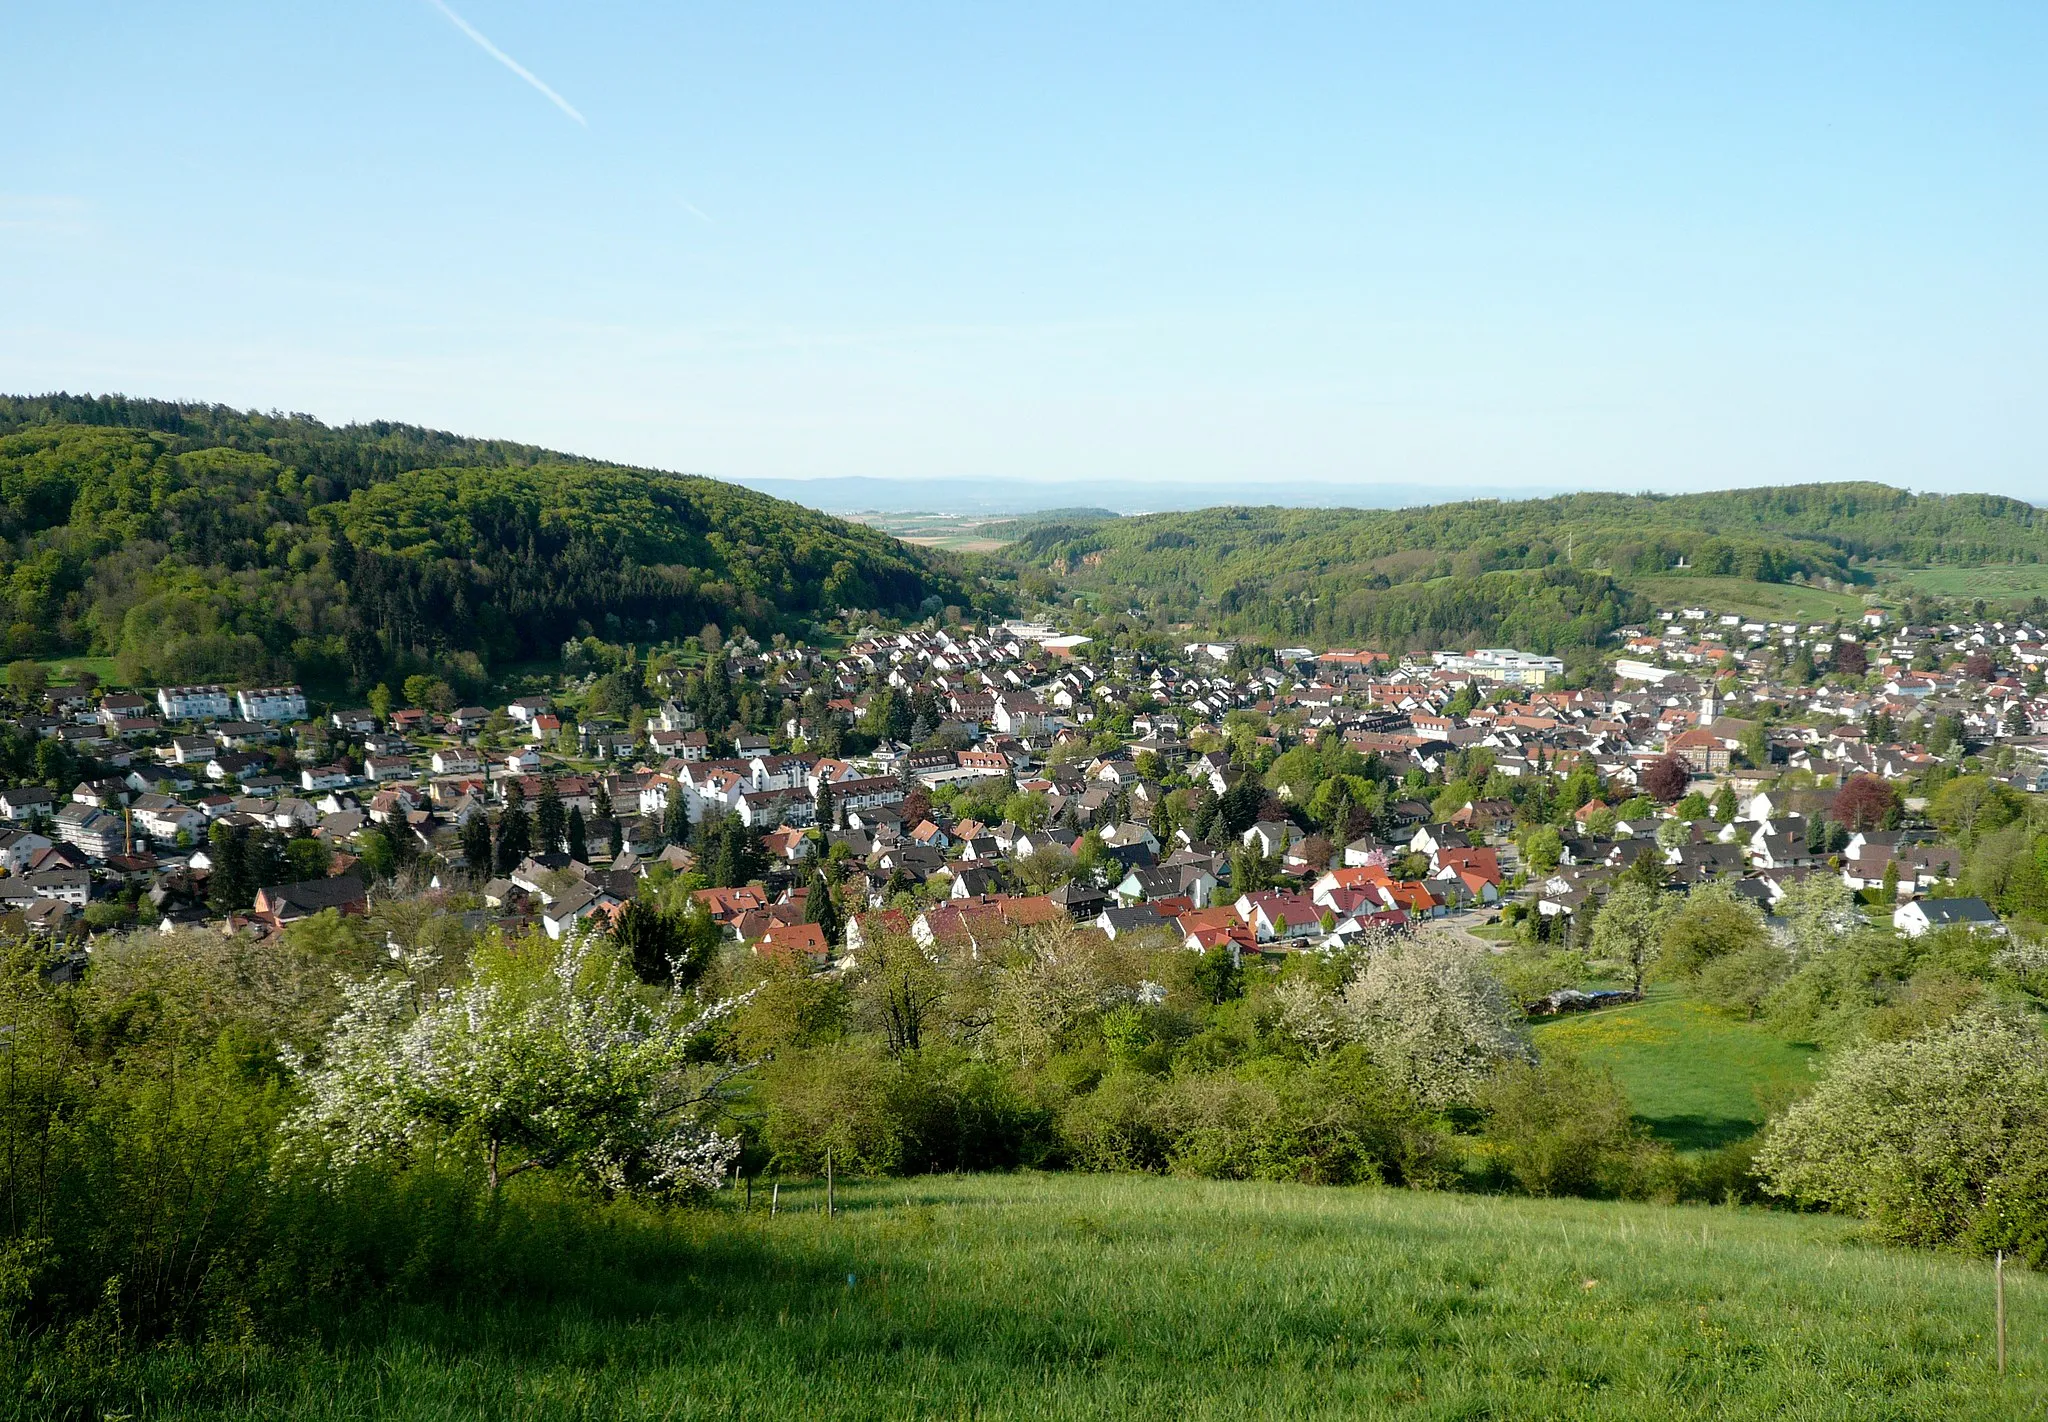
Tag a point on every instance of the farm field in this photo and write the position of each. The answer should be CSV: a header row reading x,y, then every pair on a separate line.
x,y
958,533
1697,1077
1035,1296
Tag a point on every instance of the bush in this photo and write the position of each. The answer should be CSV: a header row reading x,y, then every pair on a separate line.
x,y
930,1110
1936,1140
1117,1126
1739,982
1217,1124
1712,924
1557,1128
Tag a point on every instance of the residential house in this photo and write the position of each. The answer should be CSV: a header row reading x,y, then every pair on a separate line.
x,y
1923,916
272,703
24,802
280,904
95,831
194,703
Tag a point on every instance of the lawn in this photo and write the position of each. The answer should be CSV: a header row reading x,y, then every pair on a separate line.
x,y
1122,1297
1697,1077
1773,602
63,669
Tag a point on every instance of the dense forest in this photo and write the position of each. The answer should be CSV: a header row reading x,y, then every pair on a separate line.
x,y
196,542
1541,571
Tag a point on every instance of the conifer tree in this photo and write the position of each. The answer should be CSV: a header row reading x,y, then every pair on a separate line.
x,y
819,908
552,824
476,844
515,831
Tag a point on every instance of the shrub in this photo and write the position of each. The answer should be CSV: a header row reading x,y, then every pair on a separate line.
x,y
1739,982
1117,1126
929,1110
1558,1128
1935,1140
1713,923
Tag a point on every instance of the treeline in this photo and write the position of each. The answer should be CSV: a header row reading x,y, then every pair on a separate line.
x,y
1286,563
195,542
1550,610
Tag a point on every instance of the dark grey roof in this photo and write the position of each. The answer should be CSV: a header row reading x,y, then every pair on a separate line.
x,y
1942,911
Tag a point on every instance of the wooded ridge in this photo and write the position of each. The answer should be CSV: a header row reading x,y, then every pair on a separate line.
x,y
196,543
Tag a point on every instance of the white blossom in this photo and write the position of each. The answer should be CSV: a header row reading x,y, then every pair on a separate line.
x,y
1433,1015
576,1066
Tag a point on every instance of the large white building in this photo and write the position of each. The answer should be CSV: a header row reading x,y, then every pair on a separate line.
x,y
272,703
1504,665
194,703
99,833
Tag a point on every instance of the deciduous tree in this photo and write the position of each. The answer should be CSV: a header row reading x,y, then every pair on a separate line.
x,y
568,1067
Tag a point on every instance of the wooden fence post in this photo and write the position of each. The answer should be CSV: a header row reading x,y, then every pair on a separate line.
x,y
1998,1283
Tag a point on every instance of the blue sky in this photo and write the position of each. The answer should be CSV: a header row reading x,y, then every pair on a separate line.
x,y
1528,245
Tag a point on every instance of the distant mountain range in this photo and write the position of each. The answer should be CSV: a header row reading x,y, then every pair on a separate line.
x,y
1022,496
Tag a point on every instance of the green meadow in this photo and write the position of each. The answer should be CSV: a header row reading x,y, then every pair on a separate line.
x,y
1995,583
1036,1296
1696,1077
1772,602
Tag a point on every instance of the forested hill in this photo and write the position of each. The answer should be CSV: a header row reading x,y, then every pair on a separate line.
x,y
195,542
1545,569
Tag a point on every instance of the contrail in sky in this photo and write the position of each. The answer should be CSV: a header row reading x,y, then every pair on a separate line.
x,y
508,61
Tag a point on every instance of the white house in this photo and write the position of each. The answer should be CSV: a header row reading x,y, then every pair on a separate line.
x,y
323,777
22,801
160,818
1273,838
92,829
581,902
272,703
1924,915
17,847
456,761
194,703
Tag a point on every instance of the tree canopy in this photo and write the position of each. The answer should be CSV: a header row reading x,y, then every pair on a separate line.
x,y
200,543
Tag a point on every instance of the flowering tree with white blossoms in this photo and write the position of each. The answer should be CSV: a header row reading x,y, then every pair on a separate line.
x,y
564,1062
1936,1139
1433,1015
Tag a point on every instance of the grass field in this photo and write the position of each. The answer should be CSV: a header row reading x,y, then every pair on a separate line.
x,y
61,669
1698,1077
1118,1297
1776,602
1998,583
960,533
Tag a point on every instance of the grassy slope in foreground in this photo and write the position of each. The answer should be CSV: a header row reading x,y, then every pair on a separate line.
x,y
1697,1077
1063,1297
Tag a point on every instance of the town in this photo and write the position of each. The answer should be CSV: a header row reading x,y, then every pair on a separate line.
x,y
956,782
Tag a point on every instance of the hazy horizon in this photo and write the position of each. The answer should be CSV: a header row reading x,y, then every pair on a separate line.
x,y
1501,248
